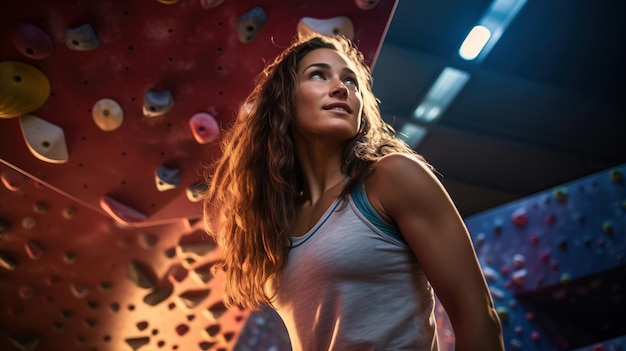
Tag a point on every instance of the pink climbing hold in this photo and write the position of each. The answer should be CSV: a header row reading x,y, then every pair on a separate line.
x,y
535,336
32,41
204,127
121,212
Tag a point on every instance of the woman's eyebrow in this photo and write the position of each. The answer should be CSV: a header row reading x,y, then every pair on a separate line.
x,y
327,66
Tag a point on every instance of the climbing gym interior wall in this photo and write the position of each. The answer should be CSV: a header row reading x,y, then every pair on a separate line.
x,y
110,112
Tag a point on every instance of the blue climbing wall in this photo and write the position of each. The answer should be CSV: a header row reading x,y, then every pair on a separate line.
x,y
554,262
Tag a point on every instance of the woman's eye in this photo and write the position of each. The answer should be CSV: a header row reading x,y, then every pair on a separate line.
x,y
351,81
316,74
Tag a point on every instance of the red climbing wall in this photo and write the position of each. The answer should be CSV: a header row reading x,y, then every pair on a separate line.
x,y
74,274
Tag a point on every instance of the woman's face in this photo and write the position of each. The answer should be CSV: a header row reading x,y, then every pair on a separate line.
x,y
327,99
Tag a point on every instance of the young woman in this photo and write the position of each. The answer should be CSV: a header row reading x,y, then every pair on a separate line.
x,y
322,213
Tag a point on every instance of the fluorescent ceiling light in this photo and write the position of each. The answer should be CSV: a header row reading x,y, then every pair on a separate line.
x,y
474,42
412,134
495,21
441,93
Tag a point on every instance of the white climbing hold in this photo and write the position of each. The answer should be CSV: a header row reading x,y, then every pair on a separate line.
x,y
45,140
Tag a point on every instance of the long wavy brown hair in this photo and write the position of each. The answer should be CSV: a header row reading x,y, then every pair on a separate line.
x,y
251,201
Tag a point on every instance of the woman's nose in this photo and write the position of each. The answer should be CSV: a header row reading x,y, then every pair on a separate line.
x,y
339,89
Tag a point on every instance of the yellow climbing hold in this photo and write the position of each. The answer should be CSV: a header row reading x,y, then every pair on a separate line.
x,y
23,88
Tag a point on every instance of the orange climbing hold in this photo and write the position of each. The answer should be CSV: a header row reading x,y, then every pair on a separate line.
x,y
107,114
23,89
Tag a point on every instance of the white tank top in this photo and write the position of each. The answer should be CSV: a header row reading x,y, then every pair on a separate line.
x,y
349,286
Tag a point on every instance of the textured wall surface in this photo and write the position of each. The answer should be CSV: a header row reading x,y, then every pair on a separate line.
x,y
110,111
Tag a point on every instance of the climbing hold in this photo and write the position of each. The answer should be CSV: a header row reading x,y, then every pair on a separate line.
x,y
209,4
25,340
366,4
141,275
12,179
204,127
560,194
40,207
550,218
29,222
157,296
168,2
46,141
81,38
26,292
182,329
211,331
32,41
203,274
496,293
196,243
520,217
192,298
516,344
518,261
176,273
535,336
23,88
565,278
216,310
68,212
33,249
519,277
332,26
107,114
503,313
505,270
137,343
616,175
534,239
250,23
157,103
7,261
195,192
167,178
122,213
497,226
79,290
607,227
480,239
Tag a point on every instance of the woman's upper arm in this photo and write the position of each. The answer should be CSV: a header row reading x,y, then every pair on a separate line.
x,y
406,191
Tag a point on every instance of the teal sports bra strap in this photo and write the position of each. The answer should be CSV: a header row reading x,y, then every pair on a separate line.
x,y
365,207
